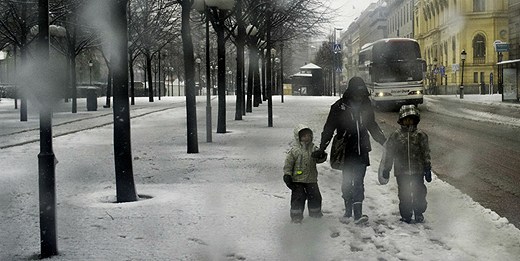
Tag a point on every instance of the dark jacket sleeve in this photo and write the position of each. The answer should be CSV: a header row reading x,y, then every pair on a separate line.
x,y
374,128
329,127
322,159
426,150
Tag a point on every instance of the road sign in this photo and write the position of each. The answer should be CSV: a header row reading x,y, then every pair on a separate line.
x,y
442,70
338,69
501,47
336,47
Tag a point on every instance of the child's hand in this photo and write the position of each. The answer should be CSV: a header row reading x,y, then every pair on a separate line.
x,y
288,181
428,174
383,176
319,154
386,174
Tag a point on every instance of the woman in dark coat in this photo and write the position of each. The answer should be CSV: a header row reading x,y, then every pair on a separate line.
x,y
353,116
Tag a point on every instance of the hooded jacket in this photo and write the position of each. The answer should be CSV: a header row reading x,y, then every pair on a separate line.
x,y
407,148
355,121
298,163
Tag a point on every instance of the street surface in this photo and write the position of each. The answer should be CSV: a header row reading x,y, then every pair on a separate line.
x,y
478,157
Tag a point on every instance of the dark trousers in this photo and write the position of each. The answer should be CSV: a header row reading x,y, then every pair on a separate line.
x,y
302,192
353,186
412,195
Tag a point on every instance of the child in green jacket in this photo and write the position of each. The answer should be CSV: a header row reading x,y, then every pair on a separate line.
x,y
301,175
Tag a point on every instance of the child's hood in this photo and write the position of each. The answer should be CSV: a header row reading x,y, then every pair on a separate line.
x,y
297,130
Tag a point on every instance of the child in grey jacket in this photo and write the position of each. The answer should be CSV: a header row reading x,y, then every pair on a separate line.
x,y
407,149
301,175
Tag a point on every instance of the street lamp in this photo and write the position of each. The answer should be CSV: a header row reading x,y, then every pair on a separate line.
x,y
434,76
251,32
219,10
200,6
335,60
462,59
90,64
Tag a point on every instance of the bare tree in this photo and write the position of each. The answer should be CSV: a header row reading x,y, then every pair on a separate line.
x,y
153,25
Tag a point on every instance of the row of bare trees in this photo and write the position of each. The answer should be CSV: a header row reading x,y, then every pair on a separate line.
x,y
154,31
146,32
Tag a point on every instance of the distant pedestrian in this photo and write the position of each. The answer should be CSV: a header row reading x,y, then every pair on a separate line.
x,y
352,117
408,150
301,175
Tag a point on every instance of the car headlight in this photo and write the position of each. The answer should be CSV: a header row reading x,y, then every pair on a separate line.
x,y
382,94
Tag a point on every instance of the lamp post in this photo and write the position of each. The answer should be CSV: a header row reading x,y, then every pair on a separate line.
x,y
462,59
335,60
90,64
434,76
200,6
251,32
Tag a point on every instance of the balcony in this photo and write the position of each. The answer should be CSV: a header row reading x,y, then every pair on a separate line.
x,y
479,60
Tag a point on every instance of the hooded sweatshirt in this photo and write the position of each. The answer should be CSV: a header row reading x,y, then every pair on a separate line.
x,y
298,163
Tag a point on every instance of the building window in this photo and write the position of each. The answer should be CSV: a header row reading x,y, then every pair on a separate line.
x,y
479,6
479,49
453,48
475,77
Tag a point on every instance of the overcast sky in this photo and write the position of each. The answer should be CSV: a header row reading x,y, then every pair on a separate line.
x,y
348,11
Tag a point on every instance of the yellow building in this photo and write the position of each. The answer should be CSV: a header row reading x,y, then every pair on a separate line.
x,y
444,28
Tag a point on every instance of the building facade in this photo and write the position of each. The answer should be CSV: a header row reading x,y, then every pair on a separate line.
x,y
400,18
444,28
370,26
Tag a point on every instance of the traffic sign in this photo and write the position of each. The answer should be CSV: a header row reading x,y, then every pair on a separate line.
x,y
336,47
442,70
501,47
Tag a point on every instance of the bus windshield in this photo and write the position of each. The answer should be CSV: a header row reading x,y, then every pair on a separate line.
x,y
387,52
399,71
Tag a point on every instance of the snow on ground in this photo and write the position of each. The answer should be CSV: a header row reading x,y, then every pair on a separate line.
x,y
227,202
475,115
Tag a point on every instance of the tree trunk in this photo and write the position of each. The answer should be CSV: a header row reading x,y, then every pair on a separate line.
x,y
189,85
125,185
221,54
148,59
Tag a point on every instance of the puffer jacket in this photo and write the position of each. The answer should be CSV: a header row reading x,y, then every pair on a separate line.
x,y
355,126
299,163
408,150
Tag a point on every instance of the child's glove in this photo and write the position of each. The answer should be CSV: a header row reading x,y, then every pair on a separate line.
x,y
319,154
428,174
288,181
386,174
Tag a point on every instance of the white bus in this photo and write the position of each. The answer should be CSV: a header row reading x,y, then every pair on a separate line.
x,y
393,71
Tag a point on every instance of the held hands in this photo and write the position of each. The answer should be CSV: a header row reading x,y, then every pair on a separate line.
x,y
383,176
319,154
428,174
386,174
288,181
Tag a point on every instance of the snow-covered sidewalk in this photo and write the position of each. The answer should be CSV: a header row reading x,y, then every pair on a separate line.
x,y
228,202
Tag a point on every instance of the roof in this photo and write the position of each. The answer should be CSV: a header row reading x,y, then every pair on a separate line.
x,y
509,61
310,66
